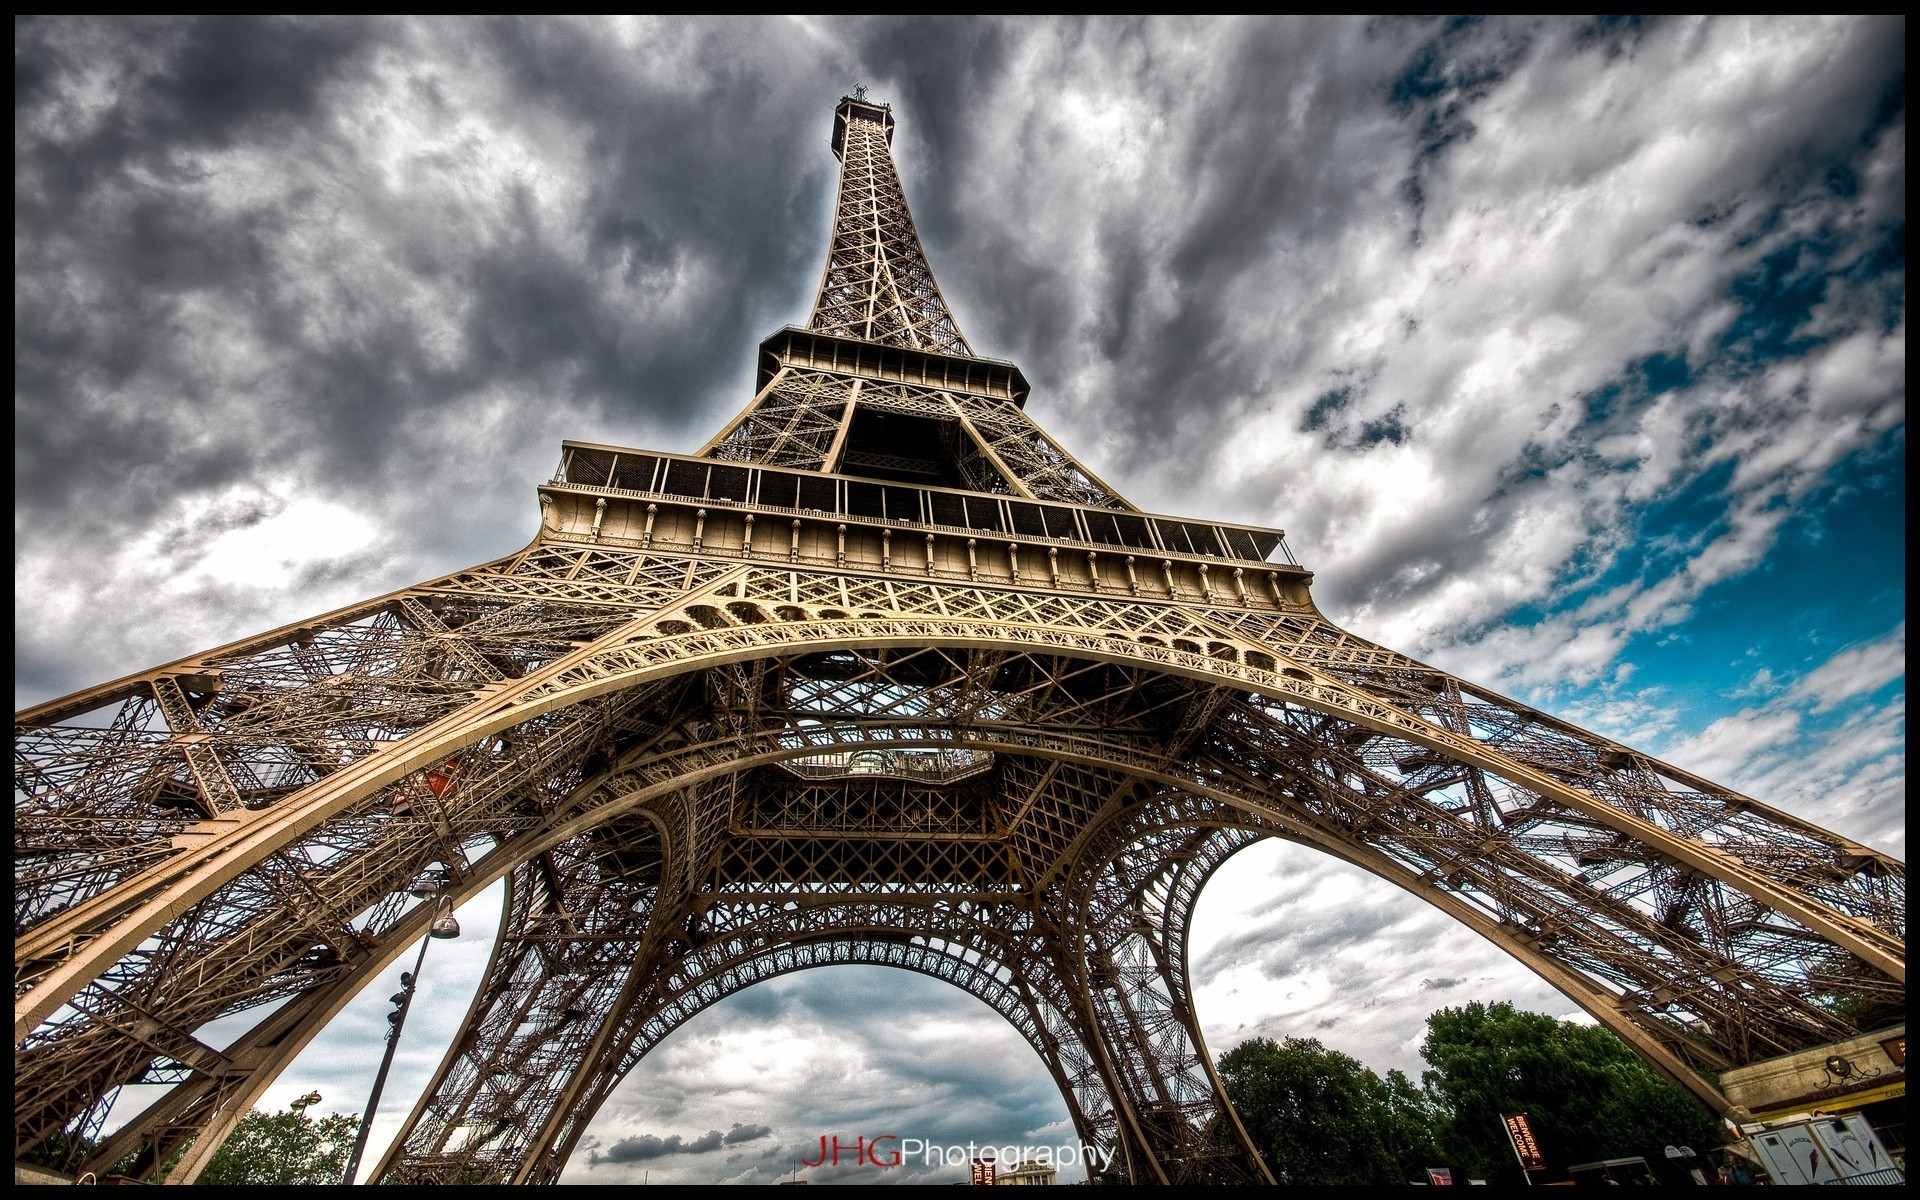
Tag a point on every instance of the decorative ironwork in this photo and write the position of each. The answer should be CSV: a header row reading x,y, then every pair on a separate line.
x,y
1841,1074
883,676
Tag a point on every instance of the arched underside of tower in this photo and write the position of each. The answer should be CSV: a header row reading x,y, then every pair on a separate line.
x,y
886,675
697,771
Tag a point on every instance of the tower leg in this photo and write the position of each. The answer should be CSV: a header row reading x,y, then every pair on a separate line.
x,y
578,919
1120,947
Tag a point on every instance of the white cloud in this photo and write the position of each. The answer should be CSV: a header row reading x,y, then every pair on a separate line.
x,y
1855,671
270,552
1290,943
1848,775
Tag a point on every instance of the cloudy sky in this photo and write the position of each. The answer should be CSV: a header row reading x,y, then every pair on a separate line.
x,y
1571,356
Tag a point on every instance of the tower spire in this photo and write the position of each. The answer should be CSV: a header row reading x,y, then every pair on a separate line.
x,y
878,286
881,384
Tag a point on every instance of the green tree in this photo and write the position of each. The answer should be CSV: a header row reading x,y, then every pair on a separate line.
x,y
1412,1127
1587,1095
58,1150
1849,988
1321,1117
282,1148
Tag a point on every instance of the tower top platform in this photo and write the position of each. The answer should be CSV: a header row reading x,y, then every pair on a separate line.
x,y
857,106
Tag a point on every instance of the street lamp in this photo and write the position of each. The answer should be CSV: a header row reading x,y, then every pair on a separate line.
x,y
304,1103
429,886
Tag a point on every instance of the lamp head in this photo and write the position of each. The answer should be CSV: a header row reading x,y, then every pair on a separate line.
x,y
444,926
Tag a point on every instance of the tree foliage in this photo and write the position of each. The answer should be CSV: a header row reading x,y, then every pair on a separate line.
x,y
1585,1092
1849,988
1321,1117
58,1150
283,1148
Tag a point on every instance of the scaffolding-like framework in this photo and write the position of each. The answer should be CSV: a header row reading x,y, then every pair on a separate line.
x,y
883,675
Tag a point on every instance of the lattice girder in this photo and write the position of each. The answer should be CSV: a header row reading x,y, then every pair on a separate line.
x,y
1106,731
999,732
679,991
732,944
802,416
878,286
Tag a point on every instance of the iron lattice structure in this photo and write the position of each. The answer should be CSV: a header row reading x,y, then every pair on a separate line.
x,y
882,675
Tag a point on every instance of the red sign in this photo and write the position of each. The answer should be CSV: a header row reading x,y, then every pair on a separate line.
x,y
866,1151
982,1172
1520,1134
1440,1176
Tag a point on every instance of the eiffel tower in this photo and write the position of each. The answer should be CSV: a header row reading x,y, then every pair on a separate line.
x,y
884,675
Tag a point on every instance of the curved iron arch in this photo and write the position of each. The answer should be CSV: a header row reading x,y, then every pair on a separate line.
x,y
813,634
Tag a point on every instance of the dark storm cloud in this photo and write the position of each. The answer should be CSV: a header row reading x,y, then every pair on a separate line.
x,y
715,200
352,258
814,1046
1281,947
111,240
1236,131
1289,935
645,1146
878,1016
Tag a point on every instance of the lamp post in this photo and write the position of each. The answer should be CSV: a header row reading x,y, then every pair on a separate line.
x,y
444,926
305,1102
